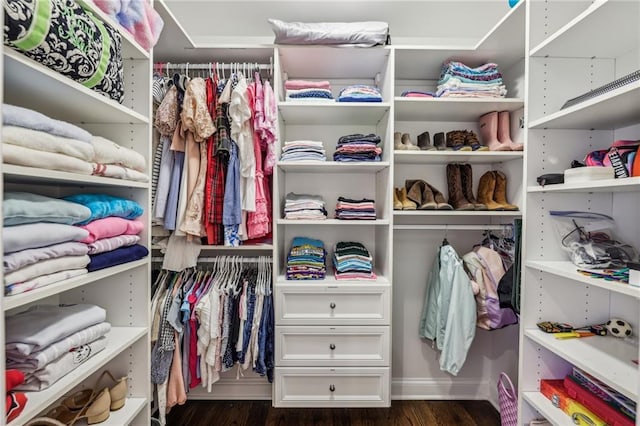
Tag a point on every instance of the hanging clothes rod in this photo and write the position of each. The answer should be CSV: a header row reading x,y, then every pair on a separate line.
x,y
214,259
453,227
212,66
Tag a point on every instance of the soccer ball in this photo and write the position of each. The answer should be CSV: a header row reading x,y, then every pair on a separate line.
x,y
618,327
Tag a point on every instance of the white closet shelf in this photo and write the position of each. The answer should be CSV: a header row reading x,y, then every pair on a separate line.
x,y
629,184
333,113
451,109
330,280
332,222
552,413
248,247
119,338
617,108
332,166
130,47
584,37
443,157
125,415
30,84
418,213
21,174
12,302
173,36
591,354
567,269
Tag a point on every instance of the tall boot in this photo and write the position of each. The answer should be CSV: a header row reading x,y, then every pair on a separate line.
x,y
500,193
486,189
438,197
397,141
419,192
407,204
467,186
397,205
454,182
504,131
488,124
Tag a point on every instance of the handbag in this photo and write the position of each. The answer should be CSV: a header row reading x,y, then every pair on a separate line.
x,y
508,400
621,156
550,179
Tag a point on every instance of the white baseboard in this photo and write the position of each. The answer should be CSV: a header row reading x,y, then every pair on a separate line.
x,y
439,389
245,388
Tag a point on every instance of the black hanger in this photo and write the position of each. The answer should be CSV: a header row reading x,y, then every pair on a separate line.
x,y
445,242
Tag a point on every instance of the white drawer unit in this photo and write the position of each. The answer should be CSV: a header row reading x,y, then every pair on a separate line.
x,y
332,346
333,305
332,387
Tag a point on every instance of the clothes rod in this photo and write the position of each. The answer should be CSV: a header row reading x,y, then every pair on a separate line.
x,y
453,227
212,66
214,259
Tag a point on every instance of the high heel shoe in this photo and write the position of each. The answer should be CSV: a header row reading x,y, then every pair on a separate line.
x,y
95,411
117,393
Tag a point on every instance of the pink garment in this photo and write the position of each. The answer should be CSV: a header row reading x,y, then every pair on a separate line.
x,y
176,393
418,95
306,84
111,227
355,276
136,16
269,128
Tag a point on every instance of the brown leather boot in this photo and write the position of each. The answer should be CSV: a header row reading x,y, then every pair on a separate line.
x,y
486,189
420,193
467,186
439,199
455,141
397,205
454,182
500,193
407,204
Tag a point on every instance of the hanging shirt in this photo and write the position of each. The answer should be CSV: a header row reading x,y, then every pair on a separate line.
x,y
240,113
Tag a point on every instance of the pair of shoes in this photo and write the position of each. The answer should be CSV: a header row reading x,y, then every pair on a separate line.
x,y
426,196
92,405
496,133
401,201
464,140
460,184
402,142
492,191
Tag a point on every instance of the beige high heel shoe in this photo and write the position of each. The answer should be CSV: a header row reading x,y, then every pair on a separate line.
x,y
117,393
96,410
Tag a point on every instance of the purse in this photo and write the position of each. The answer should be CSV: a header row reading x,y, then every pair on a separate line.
x,y
621,156
550,179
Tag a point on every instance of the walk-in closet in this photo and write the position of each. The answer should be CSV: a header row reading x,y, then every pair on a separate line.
x,y
320,212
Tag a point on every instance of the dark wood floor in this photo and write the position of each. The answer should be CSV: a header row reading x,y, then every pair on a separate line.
x,y
401,413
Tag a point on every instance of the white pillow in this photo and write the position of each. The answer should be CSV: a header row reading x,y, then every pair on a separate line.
x,y
364,34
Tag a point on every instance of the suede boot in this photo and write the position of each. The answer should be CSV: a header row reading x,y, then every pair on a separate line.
x,y
397,205
407,204
421,194
466,176
397,142
424,142
486,189
454,182
406,141
504,131
438,197
488,124
500,192
455,141
471,139
439,142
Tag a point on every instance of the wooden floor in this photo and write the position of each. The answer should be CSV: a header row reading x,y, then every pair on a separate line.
x,y
401,413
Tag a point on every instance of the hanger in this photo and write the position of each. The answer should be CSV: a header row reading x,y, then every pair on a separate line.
x,y
445,242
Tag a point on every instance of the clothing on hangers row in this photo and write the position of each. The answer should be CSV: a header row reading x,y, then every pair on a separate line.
x,y
217,68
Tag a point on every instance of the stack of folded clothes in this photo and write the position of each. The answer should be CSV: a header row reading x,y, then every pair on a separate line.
x,y
303,150
348,209
112,228
418,94
304,206
306,260
32,139
358,147
458,80
303,90
41,245
360,93
47,342
352,261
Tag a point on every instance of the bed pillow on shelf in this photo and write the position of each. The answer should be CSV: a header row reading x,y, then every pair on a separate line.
x,y
103,205
363,34
74,42
20,208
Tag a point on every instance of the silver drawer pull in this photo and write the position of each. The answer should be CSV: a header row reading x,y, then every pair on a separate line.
x,y
332,305
332,388
332,346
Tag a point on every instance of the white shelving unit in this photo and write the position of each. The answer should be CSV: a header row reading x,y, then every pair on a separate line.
x,y
442,109
570,53
123,290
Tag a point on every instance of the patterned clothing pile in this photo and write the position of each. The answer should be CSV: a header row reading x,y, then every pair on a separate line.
x,y
348,209
358,147
306,260
352,261
459,80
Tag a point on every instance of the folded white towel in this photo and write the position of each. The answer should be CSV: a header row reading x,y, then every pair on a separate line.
x,y
20,156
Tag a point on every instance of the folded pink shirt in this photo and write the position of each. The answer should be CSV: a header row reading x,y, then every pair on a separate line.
x,y
111,227
305,84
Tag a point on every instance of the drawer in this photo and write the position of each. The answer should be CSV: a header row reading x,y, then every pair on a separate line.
x,y
332,387
333,305
332,346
